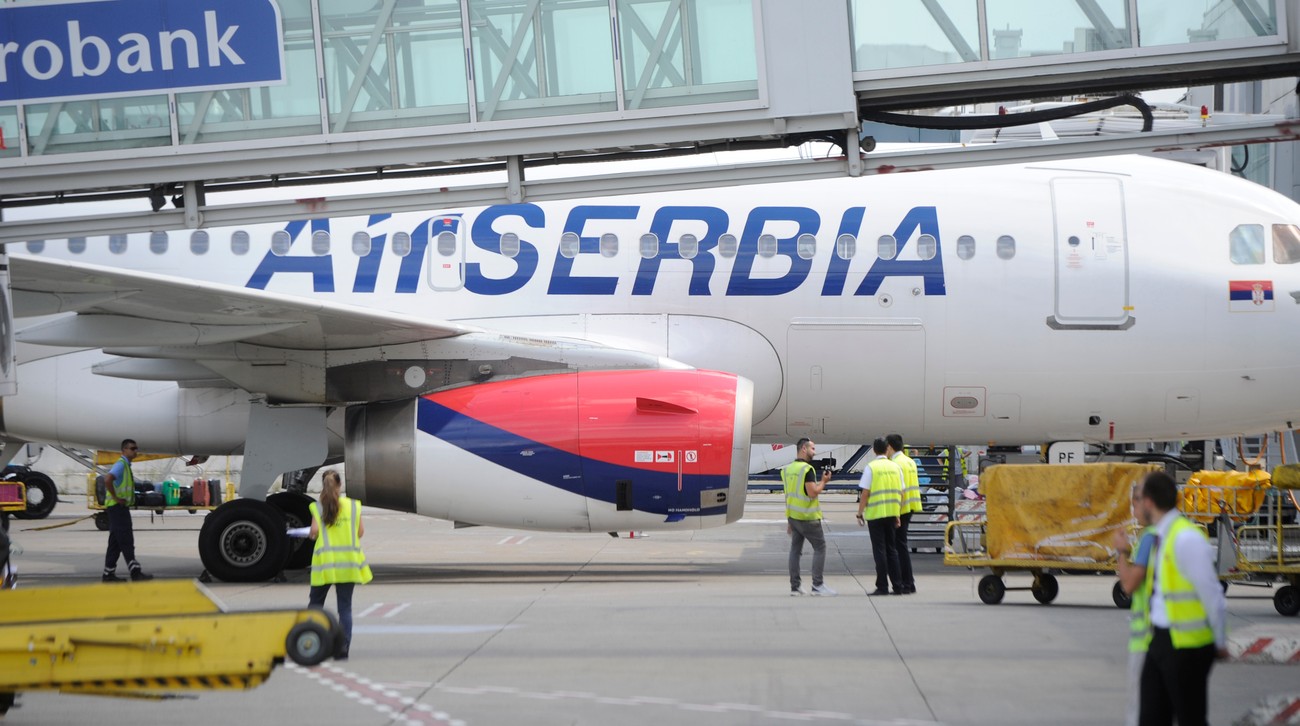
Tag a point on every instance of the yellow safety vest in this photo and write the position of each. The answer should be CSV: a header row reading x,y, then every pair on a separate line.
x,y
116,493
1139,617
338,556
1189,625
798,505
886,490
911,483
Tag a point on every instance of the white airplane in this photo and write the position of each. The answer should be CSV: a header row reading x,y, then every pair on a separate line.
x,y
599,366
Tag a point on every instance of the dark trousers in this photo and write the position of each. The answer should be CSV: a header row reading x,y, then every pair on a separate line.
x,y
904,553
121,539
1174,683
342,593
884,548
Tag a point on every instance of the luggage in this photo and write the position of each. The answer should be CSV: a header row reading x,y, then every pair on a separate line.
x,y
200,493
101,491
186,497
150,500
171,490
214,492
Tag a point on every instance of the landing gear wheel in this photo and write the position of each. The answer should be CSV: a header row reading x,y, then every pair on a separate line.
x,y
1045,588
1287,600
294,507
991,589
101,521
309,643
42,495
243,541
1121,598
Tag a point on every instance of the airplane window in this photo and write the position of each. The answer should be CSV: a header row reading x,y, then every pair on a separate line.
x,y
320,243
239,242
446,243
1006,247
688,246
199,242
36,246
77,245
1246,244
569,244
117,243
608,244
510,245
280,243
158,243
727,245
965,247
402,244
649,246
361,244
1286,244
846,246
886,247
806,246
766,245
926,246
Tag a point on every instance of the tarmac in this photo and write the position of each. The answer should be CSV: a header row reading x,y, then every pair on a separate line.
x,y
489,626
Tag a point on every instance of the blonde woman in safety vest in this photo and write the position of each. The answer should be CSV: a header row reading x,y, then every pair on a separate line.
x,y
1185,610
337,559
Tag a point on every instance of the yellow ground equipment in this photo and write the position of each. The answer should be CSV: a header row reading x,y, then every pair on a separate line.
x,y
1268,549
94,501
1239,494
13,497
1045,517
146,640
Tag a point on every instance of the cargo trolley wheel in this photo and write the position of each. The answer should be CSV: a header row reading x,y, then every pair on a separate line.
x,y
1287,600
1121,598
991,589
243,541
306,643
1045,588
101,521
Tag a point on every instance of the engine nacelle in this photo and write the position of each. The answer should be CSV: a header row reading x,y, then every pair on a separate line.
x,y
586,451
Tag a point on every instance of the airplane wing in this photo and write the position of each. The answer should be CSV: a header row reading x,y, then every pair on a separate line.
x,y
290,348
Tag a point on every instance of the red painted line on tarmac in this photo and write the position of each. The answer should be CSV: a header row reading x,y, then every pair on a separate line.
x,y
1257,647
378,697
1295,657
1284,716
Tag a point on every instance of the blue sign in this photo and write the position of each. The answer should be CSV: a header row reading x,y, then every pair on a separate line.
x,y
67,50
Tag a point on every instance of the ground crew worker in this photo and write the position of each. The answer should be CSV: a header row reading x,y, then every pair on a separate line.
x,y
1132,569
1186,611
803,513
880,508
337,558
911,505
119,497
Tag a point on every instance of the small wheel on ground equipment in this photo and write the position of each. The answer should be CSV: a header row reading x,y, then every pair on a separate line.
x,y
42,495
1045,588
101,521
1287,600
991,589
309,643
1121,598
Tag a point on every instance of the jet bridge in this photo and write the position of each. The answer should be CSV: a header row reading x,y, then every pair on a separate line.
x,y
386,88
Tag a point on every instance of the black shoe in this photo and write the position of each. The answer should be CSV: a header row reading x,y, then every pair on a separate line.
x,y
112,577
140,576
909,590
896,592
878,591
341,656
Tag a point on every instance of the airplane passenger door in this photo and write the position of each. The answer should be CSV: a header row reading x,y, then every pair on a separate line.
x,y
1091,250
446,254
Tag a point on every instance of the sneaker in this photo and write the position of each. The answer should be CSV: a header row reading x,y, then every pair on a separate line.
x,y
797,591
140,576
112,577
824,590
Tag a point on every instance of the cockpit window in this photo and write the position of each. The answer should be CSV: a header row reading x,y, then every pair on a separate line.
x,y
1286,244
1246,244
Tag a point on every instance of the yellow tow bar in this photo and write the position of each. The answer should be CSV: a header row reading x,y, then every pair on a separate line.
x,y
146,639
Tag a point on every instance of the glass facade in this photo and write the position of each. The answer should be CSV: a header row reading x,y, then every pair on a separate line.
x,y
392,64
910,33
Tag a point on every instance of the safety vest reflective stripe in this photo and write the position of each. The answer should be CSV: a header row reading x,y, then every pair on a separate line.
x,y
1139,627
886,490
337,557
798,505
123,490
1189,625
911,483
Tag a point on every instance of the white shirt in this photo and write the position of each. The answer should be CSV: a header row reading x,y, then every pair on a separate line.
x,y
1195,557
865,481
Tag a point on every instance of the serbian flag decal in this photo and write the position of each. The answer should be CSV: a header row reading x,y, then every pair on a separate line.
x,y
1250,296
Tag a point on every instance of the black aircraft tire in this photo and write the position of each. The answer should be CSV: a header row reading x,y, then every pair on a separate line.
x,y
294,507
244,541
42,495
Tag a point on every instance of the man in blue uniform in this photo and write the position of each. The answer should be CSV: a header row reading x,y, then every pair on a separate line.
x,y
119,496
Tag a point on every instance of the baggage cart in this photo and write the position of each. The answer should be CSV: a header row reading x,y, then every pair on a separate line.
x,y
213,494
1259,539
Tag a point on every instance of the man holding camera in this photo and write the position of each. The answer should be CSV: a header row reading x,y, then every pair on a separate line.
x,y
803,512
